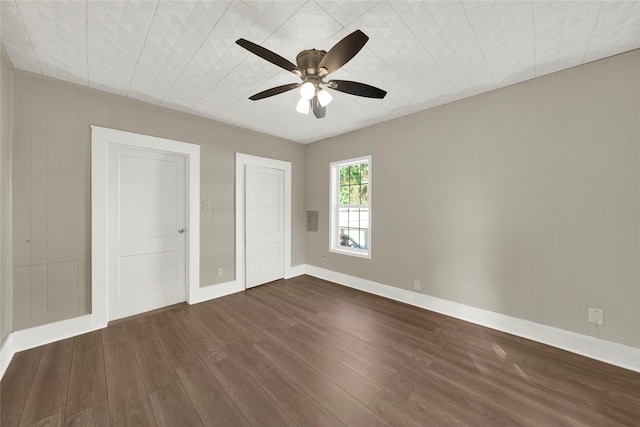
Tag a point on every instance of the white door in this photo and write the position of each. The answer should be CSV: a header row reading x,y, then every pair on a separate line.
x,y
147,217
264,225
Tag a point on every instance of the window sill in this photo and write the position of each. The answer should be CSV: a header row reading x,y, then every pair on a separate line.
x,y
354,253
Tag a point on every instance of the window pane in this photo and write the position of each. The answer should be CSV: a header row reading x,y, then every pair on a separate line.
x,y
364,173
343,217
354,195
354,218
356,238
344,175
344,194
364,194
355,174
364,218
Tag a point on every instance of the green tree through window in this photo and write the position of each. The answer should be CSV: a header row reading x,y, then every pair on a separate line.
x,y
354,184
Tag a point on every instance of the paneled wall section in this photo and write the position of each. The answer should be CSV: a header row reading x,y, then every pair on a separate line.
x,y
6,105
51,190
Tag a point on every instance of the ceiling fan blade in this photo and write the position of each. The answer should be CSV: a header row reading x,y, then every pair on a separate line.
x,y
268,55
318,110
355,88
274,91
343,51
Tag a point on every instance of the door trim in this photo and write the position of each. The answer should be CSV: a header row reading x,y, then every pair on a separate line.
x,y
101,140
241,161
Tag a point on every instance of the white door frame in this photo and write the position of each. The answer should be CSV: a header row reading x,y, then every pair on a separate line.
x,y
241,161
101,139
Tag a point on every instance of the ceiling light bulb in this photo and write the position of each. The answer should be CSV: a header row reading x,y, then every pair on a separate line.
x,y
324,97
307,90
303,106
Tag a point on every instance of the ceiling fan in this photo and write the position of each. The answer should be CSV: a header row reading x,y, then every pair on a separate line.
x,y
313,66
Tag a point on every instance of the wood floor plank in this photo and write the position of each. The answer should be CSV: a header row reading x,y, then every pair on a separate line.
x,y
304,410
379,356
172,407
339,374
278,318
155,367
55,420
210,400
254,403
398,413
235,321
508,403
208,396
305,351
16,384
127,396
477,407
369,370
345,407
174,342
87,385
204,340
389,308
255,314
48,392
95,416
452,406
378,337
223,334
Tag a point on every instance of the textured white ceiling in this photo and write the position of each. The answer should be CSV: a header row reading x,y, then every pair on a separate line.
x,y
182,54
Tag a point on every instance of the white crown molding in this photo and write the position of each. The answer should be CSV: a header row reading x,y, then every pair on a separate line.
x,y
606,351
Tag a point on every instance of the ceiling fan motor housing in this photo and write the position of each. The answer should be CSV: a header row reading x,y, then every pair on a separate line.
x,y
308,61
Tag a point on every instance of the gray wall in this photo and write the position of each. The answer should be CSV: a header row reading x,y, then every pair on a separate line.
x,y
6,88
523,201
51,189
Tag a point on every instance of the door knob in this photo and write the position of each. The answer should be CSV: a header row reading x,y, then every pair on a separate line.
x,y
181,230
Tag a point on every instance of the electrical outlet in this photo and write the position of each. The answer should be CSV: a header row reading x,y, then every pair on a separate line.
x,y
417,285
596,316
220,272
324,259
205,205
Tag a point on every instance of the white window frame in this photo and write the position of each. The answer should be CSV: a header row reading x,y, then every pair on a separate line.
x,y
334,173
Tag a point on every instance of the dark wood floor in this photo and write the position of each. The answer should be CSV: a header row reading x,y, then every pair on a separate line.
x,y
307,352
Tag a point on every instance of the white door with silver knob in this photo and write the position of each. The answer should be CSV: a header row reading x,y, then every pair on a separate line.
x,y
147,239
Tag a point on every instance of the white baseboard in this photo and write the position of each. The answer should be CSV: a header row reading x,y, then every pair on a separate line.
x,y
296,270
616,354
36,336
44,334
205,293
606,351
6,354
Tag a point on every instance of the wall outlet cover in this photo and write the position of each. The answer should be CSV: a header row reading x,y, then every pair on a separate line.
x,y
596,316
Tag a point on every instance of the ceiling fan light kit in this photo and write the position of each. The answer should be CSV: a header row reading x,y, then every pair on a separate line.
x,y
307,91
324,97
312,66
303,106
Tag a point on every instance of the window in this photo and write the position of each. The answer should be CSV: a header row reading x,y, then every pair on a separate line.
x,y
350,207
